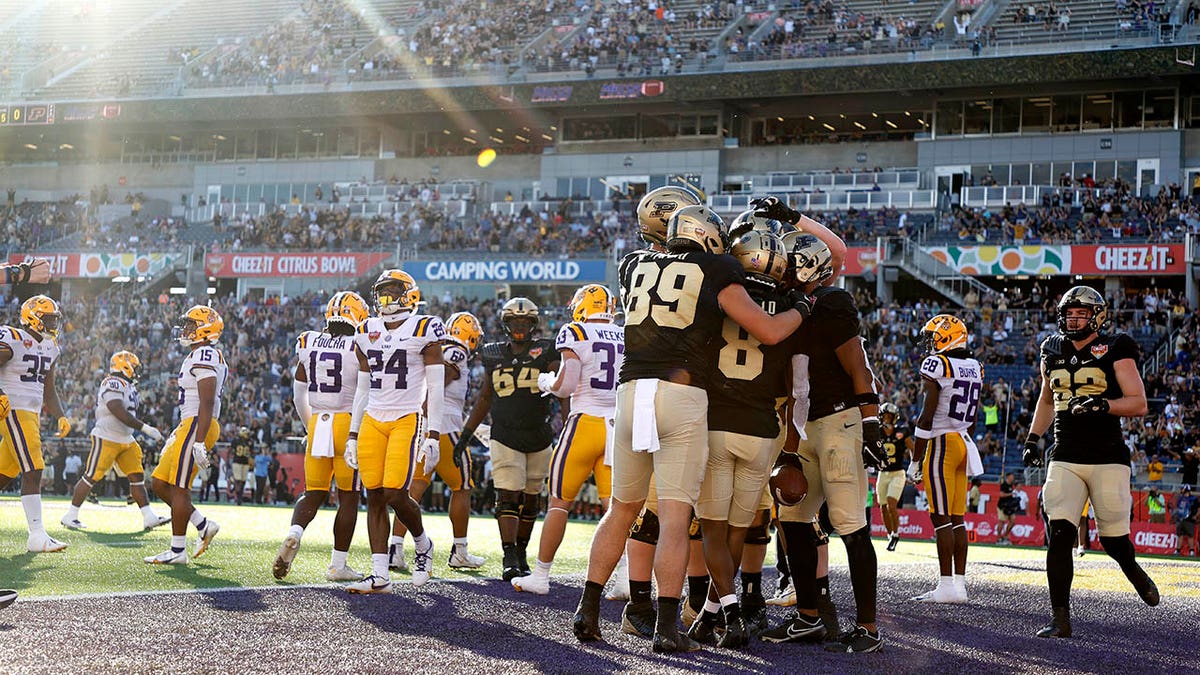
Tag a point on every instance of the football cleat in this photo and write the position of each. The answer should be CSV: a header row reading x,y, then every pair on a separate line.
x,y
673,643
687,615
422,565
157,521
534,583
949,596
370,584
639,618
44,543
735,636
754,616
287,553
72,523
1059,626
396,559
343,573
786,597
586,624
798,628
206,537
461,559
893,540
704,629
167,557
1145,587
619,589
857,641
7,597
512,564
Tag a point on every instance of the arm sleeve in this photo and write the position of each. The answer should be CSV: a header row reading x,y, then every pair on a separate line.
x,y
300,400
435,396
360,400
569,372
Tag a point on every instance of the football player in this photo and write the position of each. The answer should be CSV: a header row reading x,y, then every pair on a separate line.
x,y
744,436
1090,380
113,443
201,379
592,348
836,409
400,370
323,387
463,332
889,485
242,449
675,304
953,381
27,384
521,434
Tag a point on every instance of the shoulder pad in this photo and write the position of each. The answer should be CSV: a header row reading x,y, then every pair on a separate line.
x,y
1053,344
493,351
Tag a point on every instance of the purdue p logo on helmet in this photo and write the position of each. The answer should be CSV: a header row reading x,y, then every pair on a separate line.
x,y
1088,298
656,208
762,256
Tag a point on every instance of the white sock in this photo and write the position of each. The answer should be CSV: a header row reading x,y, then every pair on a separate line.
x,y
379,565
711,606
543,568
461,541
33,513
727,600
148,513
396,541
72,512
946,582
960,581
422,542
296,531
178,542
338,559
197,519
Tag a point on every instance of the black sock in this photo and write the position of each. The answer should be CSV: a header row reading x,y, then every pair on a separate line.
x,y
668,613
781,561
802,561
639,591
697,592
1121,550
823,586
591,594
864,566
1060,564
752,585
522,544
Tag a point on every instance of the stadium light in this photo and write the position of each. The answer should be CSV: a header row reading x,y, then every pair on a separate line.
x,y
828,126
120,280
30,146
211,291
177,290
890,124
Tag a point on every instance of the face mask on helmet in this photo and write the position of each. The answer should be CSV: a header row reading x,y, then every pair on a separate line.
x,y
51,322
184,331
520,328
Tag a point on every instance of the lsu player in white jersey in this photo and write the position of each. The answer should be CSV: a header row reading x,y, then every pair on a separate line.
x,y
400,356
953,381
592,349
323,388
113,442
27,374
463,333
201,379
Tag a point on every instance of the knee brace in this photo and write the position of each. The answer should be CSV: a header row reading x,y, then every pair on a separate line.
x,y
821,534
531,506
645,528
758,535
507,504
695,533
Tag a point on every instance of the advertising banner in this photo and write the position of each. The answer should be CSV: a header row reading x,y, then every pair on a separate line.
x,y
103,265
860,260
1088,260
240,265
508,271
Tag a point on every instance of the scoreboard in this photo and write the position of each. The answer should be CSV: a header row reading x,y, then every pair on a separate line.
x,y
28,114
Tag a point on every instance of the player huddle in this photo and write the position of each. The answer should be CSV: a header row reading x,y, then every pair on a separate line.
x,y
736,393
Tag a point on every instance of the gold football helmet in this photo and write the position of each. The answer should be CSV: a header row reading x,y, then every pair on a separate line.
x,y
346,308
41,315
395,292
593,301
762,256
199,324
747,221
943,333
463,329
697,225
656,207
809,259
518,317
1089,298
125,363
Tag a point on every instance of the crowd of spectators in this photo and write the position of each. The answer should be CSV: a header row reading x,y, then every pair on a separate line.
x,y
822,28
26,225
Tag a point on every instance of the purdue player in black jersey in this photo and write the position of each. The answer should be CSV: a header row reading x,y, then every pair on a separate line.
x,y
743,436
521,434
889,486
1090,381
836,411
675,304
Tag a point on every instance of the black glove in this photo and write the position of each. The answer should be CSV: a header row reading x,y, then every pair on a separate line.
x,y
872,451
775,209
462,449
1082,405
1031,455
803,303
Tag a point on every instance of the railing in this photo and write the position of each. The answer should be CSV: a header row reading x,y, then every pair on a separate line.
x,y
837,201
452,207
937,274
573,208
393,192
795,182
1005,194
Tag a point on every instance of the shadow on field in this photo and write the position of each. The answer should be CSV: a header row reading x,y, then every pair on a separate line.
x,y
17,571
199,575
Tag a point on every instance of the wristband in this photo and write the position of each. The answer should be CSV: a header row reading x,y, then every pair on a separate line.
x,y
25,268
923,433
870,419
144,427
1032,438
869,398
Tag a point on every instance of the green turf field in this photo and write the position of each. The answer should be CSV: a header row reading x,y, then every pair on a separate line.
x,y
107,557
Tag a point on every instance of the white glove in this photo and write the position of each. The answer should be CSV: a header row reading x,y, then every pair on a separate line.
x,y
914,472
546,382
200,456
153,433
431,452
351,454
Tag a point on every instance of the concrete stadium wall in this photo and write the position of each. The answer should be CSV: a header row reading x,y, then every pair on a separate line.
x,y
764,159
50,181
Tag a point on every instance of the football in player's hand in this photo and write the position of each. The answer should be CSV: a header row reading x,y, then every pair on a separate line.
x,y
789,487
